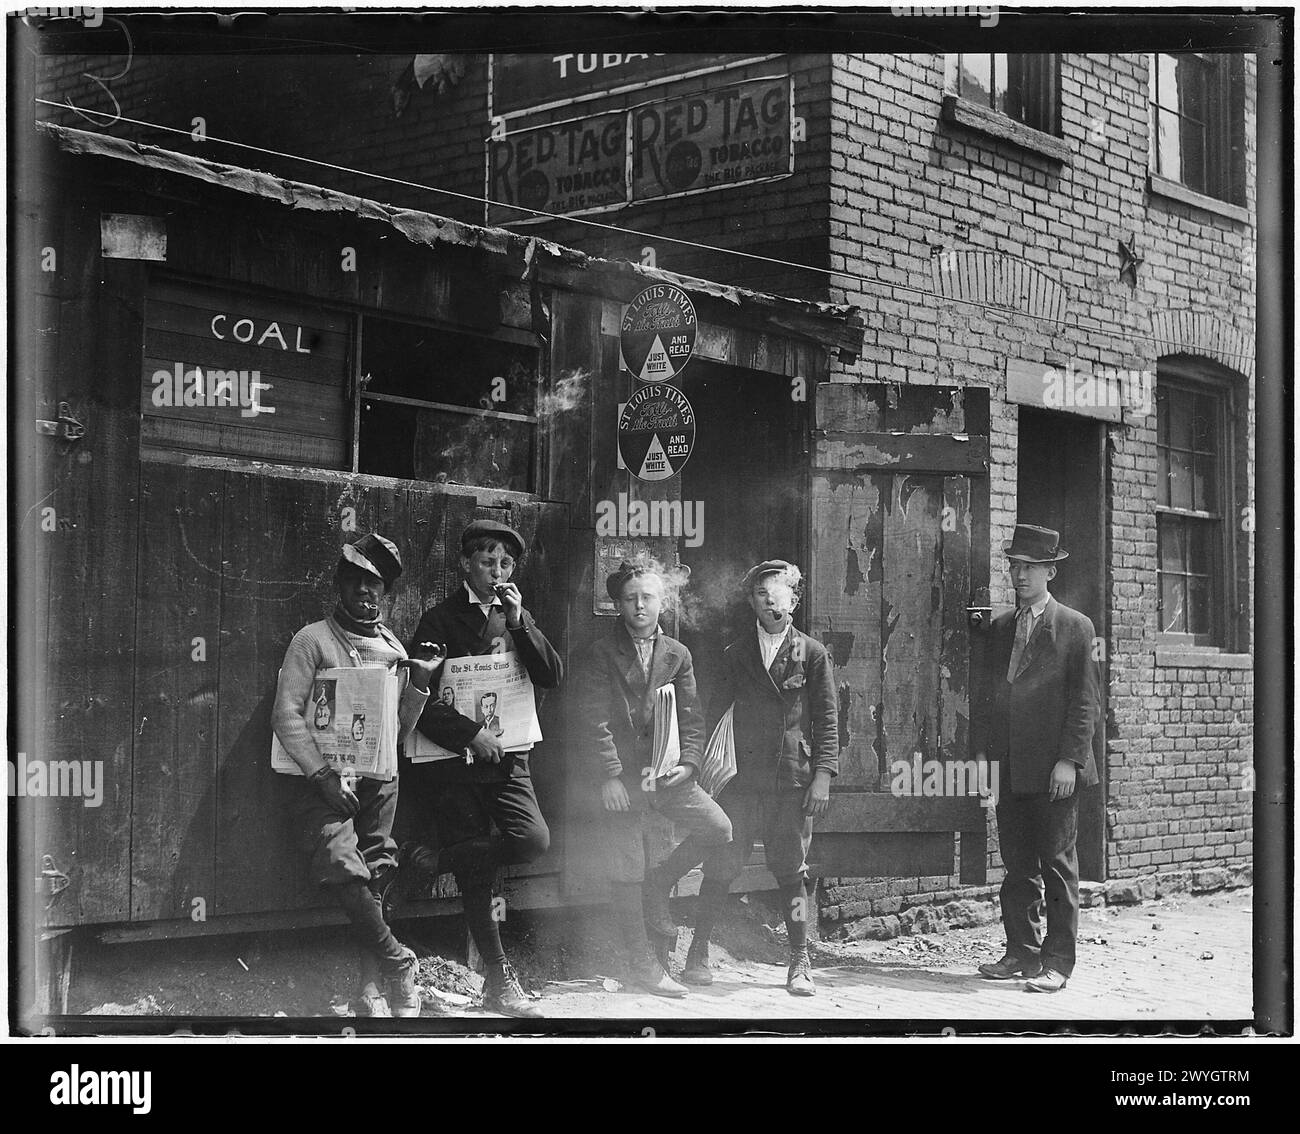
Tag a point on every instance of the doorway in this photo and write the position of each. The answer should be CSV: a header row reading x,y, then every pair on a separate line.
x,y
1061,484
749,472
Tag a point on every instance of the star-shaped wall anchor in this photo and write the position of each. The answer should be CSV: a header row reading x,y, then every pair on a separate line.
x,y
1130,261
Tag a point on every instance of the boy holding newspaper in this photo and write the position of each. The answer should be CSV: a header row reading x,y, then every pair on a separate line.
x,y
641,731
345,825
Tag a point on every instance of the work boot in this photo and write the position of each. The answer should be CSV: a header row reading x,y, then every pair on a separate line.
x,y
371,1002
798,978
646,971
503,993
403,994
654,896
697,964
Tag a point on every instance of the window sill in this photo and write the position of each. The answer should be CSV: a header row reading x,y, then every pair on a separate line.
x,y
1159,186
1188,657
963,112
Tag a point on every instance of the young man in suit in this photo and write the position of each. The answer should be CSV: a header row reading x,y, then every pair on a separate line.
x,y
460,800
615,697
786,730
1043,684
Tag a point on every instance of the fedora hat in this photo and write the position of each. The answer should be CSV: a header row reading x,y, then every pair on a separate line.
x,y
1032,544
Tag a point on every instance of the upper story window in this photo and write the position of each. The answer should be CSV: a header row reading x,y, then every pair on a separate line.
x,y
1193,498
1198,123
1023,87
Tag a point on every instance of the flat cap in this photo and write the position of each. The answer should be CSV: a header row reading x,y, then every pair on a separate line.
x,y
501,532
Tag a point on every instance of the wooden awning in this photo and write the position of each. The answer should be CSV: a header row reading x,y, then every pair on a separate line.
x,y
836,327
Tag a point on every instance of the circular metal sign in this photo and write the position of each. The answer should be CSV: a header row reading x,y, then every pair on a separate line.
x,y
656,432
658,333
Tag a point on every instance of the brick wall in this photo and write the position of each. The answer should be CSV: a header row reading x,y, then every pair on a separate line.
x,y
906,187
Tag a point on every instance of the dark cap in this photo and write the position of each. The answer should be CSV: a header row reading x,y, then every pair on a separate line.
x,y
1032,544
500,532
626,570
374,554
773,567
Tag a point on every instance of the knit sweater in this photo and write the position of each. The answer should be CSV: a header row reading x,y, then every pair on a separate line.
x,y
326,645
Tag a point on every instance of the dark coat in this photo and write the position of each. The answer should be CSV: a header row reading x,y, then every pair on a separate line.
x,y
1048,713
786,719
458,623
613,706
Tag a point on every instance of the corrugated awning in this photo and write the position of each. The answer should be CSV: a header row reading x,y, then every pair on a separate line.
x,y
834,325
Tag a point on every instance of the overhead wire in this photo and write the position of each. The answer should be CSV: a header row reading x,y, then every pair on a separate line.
x,y
833,273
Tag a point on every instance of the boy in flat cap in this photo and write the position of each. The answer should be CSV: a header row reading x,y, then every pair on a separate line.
x,y
616,688
786,731
347,828
464,801
1044,684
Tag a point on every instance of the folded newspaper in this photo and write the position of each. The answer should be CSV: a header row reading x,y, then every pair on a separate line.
x,y
666,746
493,689
351,714
719,763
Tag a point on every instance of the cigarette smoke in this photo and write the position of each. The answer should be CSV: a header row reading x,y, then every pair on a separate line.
x,y
570,389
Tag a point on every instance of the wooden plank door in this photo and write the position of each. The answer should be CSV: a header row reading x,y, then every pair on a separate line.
x,y
899,542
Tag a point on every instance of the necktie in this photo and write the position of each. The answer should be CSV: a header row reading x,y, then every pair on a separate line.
x,y
1024,627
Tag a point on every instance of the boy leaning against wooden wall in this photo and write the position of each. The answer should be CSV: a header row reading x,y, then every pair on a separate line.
x,y
616,688
786,727
347,829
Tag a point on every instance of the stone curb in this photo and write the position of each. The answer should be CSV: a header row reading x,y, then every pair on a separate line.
x,y
979,905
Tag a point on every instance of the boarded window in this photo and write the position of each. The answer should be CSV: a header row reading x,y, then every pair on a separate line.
x,y
244,376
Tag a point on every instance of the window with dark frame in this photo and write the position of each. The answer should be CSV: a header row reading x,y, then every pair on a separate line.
x,y
1192,535
1023,87
444,406
1198,123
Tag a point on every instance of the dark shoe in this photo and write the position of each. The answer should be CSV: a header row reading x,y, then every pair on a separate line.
x,y
798,978
1049,981
649,974
654,897
403,995
1010,968
503,993
697,965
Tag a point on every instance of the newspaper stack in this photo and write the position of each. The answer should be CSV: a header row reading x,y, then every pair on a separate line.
x,y
719,763
352,717
666,746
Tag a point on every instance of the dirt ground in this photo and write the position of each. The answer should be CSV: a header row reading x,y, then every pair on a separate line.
x,y
1180,958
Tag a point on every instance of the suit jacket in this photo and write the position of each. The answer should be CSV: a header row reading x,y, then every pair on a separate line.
x,y
786,718
1049,712
459,624
613,706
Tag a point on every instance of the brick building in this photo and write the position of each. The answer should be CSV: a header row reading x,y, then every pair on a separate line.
x,y
1009,224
